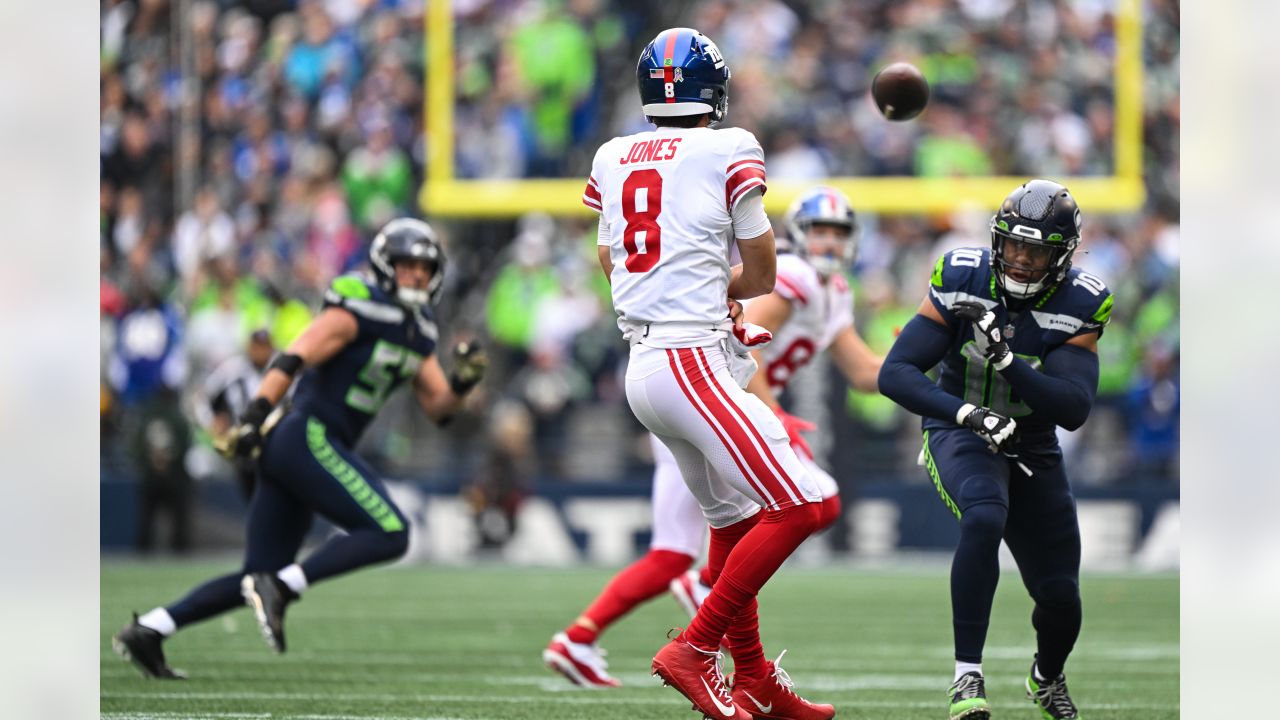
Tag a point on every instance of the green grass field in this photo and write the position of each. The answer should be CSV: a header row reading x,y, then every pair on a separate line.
x,y
466,643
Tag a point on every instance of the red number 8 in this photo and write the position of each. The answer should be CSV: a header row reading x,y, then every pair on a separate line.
x,y
644,221
797,355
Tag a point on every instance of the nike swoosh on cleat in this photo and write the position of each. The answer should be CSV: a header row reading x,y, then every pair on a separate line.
x,y
726,710
763,708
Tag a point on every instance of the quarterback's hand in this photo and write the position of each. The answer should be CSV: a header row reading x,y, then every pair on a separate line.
x,y
736,313
985,323
244,441
469,364
794,426
998,430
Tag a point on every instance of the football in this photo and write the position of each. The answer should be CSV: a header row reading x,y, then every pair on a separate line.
x,y
900,91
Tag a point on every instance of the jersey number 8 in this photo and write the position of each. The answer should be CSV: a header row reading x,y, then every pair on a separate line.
x,y
641,205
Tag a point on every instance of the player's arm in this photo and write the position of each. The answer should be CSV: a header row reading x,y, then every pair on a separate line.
x,y
333,329
1065,391
442,396
759,269
921,346
769,312
603,240
860,365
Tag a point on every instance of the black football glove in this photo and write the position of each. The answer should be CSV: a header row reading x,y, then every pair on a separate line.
x,y
985,323
469,364
998,430
244,441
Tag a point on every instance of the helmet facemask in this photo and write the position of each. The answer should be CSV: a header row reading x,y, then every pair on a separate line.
x,y
1041,264
826,263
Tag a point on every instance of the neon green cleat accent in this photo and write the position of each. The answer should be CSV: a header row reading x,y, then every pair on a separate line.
x,y
969,698
1052,697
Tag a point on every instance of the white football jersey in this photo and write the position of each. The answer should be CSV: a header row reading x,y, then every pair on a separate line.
x,y
819,311
667,196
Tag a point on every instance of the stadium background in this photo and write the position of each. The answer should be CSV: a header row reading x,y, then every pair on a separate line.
x,y
250,149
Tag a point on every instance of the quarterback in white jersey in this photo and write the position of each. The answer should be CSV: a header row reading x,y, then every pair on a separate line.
x,y
673,201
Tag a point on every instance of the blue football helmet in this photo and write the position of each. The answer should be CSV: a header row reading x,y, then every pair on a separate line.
x,y
825,206
682,73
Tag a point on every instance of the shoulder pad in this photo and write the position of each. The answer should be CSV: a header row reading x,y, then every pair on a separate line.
x,y
349,286
1081,304
356,294
797,281
963,274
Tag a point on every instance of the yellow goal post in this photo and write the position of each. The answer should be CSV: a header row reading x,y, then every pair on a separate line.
x,y
443,195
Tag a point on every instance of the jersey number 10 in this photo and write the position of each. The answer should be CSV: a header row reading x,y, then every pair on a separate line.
x,y
641,205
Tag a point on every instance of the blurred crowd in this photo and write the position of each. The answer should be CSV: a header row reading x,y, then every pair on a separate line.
x,y
251,148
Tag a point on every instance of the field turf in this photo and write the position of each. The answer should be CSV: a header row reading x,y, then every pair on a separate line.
x,y
414,642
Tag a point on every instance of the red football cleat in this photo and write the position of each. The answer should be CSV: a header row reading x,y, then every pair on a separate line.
x,y
697,675
689,591
582,663
773,699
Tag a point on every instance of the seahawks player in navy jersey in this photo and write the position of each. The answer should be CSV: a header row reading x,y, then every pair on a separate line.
x,y
371,336
1014,331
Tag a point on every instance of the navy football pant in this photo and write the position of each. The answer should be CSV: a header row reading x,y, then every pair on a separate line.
x,y
994,499
304,470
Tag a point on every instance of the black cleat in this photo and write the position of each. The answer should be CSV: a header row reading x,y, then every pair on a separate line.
x,y
268,596
969,698
1051,697
142,646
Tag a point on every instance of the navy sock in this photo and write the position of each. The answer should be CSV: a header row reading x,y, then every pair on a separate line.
x,y
350,552
212,598
1057,627
975,571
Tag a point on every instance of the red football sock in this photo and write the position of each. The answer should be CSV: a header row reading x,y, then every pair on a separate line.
x,y
753,560
830,512
745,644
722,543
639,581
704,576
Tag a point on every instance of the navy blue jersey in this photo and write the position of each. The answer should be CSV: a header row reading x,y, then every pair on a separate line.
x,y
348,390
1080,304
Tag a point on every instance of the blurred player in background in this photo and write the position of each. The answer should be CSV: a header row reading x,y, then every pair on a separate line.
x,y
672,201
371,336
227,392
809,310
1015,329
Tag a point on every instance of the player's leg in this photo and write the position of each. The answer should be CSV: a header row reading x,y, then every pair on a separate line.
x,y
276,526
332,481
677,538
974,485
678,535
1044,536
830,489
746,449
341,486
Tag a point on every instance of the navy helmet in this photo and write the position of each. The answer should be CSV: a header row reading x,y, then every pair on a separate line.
x,y
407,239
681,72
826,206
1043,219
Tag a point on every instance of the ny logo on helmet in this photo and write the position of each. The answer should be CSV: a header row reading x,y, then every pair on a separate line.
x,y
714,52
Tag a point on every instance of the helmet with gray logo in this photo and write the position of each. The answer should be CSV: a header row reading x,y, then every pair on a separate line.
x,y
1041,219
